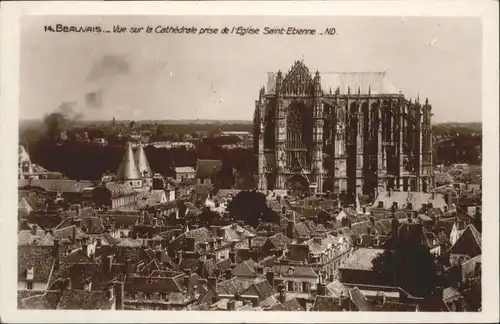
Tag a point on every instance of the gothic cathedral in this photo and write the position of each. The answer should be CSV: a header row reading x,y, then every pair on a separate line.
x,y
351,133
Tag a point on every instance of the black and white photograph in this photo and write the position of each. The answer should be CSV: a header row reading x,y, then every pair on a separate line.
x,y
271,163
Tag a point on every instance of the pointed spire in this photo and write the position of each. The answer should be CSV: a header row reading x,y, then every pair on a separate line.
x,y
418,98
128,169
359,90
348,90
142,162
369,90
426,101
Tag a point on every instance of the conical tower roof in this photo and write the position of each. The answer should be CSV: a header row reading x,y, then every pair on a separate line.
x,y
128,169
142,162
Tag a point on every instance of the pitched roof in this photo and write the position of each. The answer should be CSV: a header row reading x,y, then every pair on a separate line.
x,y
403,198
359,299
82,299
39,300
244,269
207,168
230,287
293,305
469,242
128,169
261,288
326,304
142,162
39,258
279,240
361,259
54,185
185,169
375,82
152,284
295,271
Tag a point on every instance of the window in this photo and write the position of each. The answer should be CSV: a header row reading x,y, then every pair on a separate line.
x,y
305,286
290,286
29,285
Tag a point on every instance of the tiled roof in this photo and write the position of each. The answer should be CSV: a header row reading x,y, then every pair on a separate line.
x,y
40,258
244,269
469,242
279,240
67,232
152,284
390,306
295,271
38,300
416,198
186,169
230,287
361,259
53,185
268,261
261,288
26,237
359,300
336,289
81,299
292,305
119,190
231,232
326,304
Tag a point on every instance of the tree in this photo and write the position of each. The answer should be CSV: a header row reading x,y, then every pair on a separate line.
x,y
250,206
411,267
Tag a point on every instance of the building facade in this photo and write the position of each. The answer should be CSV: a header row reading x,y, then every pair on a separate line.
x,y
340,132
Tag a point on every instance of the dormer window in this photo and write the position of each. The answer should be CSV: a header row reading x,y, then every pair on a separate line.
x,y
290,271
30,273
359,241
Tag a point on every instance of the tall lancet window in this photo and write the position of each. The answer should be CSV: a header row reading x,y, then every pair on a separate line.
x,y
299,135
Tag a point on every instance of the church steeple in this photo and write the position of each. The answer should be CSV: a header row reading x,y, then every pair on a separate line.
x,y
128,172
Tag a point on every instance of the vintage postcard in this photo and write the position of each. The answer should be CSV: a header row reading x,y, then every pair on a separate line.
x,y
203,161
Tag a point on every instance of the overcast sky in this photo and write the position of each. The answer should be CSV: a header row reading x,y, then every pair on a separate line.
x,y
164,76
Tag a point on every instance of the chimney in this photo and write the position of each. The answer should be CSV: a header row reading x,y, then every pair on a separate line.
x,y
73,237
186,281
108,263
231,305
438,292
34,229
120,295
330,278
409,206
127,266
282,294
321,289
85,249
380,204
389,192
228,273
259,269
158,255
364,210
380,298
270,277
232,256
250,241
57,254
372,221
212,282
